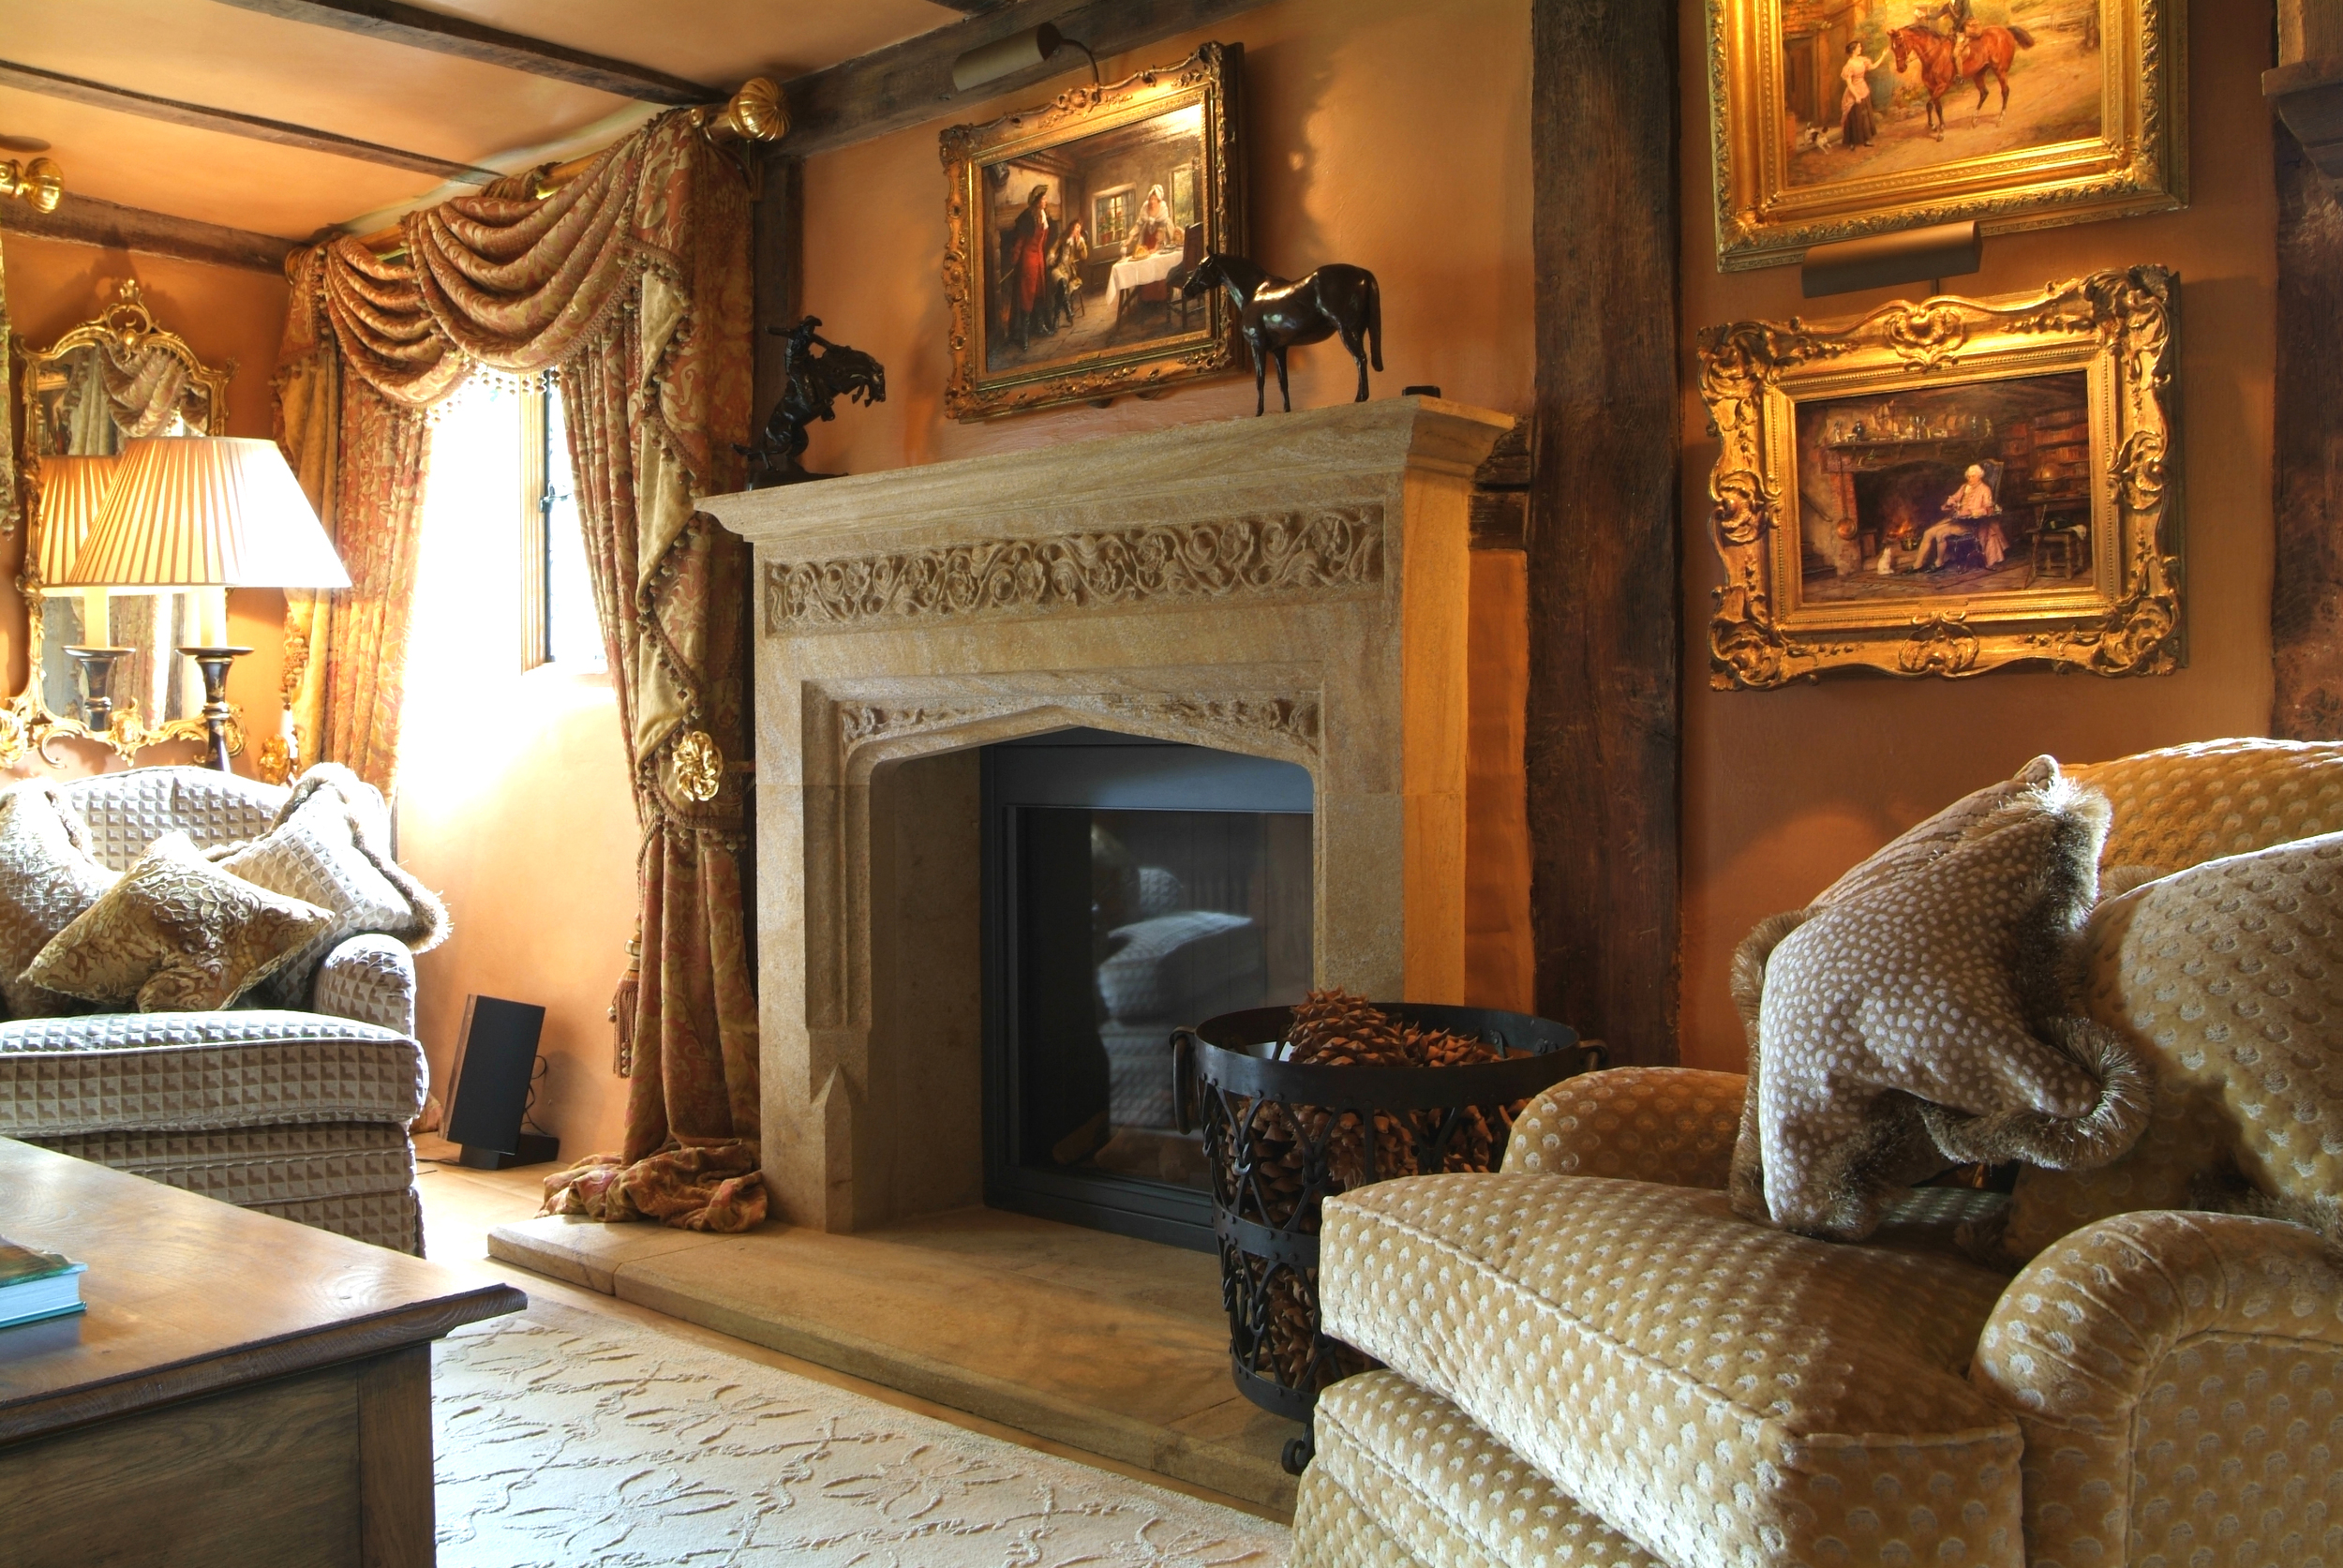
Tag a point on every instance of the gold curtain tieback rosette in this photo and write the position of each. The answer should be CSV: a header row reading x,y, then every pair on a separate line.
x,y
699,766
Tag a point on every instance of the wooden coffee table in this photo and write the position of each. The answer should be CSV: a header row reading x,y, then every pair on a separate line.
x,y
243,1390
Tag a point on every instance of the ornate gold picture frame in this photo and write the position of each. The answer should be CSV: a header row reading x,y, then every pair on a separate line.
x,y
1948,486
1833,119
1070,230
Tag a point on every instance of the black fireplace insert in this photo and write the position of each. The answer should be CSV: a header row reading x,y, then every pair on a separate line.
x,y
1131,888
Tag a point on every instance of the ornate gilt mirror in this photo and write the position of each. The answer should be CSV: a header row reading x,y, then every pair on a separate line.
x,y
110,379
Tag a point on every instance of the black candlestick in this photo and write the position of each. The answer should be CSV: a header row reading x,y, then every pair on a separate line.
x,y
96,665
214,663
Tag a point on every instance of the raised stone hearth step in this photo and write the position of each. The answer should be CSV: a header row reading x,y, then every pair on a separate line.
x,y
1106,1343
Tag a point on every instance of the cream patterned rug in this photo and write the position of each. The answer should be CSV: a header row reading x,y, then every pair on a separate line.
x,y
564,1439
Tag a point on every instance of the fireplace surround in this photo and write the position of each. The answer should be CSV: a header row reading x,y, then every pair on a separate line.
x,y
1292,588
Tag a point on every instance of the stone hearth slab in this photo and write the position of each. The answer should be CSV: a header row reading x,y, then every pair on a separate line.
x,y
1111,1344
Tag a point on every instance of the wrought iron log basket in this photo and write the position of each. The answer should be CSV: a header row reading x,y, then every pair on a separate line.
x,y
1280,1137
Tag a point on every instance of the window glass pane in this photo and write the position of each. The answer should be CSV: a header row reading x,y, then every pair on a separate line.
x,y
572,626
468,582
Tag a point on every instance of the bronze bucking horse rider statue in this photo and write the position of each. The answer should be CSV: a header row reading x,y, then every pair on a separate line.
x,y
812,383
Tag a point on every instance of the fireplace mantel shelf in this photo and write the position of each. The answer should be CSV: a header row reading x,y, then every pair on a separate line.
x,y
1293,587
1189,470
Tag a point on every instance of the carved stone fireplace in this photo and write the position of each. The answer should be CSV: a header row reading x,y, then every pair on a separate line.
x,y
1287,588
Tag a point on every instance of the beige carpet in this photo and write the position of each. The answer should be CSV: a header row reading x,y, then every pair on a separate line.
x,y
567,1438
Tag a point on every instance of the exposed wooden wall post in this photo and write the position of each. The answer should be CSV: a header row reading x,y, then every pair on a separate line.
x,y
2306,88
1605,621
777,265
2307,588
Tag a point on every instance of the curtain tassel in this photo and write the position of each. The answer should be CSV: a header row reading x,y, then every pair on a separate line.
x,y
622,1008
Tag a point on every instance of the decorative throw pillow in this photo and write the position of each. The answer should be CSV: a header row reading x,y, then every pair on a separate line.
x,y
176,934
2228,977
48,877
320,853
1919,1014
1916,846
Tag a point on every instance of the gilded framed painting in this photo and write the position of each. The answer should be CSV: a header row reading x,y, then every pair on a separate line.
x,y
1947,486
1071,228
1834,119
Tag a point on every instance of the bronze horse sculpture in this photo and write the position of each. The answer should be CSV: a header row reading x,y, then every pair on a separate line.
x,y
1274,315
1944,61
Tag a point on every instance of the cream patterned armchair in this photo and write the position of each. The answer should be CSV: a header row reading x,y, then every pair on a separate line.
x,y
1593,1361
298,1113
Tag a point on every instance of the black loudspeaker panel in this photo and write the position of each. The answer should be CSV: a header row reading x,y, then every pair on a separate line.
x,y
493,1066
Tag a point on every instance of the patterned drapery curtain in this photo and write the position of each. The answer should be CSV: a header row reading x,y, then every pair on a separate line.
x,y
633,280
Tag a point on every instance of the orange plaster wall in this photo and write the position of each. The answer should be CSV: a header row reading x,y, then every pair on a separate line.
x,y
1389,134
1500,954
1784,790
227,315
513,804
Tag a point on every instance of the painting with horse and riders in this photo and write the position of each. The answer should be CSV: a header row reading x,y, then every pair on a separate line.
x,y
1840,119
1885,88
1074,233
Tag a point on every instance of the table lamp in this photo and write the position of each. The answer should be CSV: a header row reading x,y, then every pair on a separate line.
x,y
73,491
210,513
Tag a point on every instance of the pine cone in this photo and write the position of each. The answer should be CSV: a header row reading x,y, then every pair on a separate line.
x,y
1335,1028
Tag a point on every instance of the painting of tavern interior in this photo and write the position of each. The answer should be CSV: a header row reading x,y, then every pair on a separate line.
x,y
1091,241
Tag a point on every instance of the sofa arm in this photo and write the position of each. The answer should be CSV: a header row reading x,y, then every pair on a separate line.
x,y
370,979
2173,1374
1672,1124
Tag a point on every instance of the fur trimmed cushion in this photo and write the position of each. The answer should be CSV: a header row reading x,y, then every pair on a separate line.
x,y
176,934
48,878
2229,979
321,852
1919,1014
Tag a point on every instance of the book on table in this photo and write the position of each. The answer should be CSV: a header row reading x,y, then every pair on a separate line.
x,y
34,1285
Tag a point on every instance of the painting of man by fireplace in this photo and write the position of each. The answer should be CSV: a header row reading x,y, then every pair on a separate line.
x,y
1939,487
1949,492
1071,230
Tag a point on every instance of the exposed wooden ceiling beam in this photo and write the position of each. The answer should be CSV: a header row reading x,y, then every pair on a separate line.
x,y
86,220
910,83
417,28
98,95
970,8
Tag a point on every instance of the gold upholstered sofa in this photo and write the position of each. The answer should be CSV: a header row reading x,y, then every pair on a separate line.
x,y
1591,1360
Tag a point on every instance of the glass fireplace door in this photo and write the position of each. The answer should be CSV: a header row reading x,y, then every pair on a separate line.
x,y
1132,887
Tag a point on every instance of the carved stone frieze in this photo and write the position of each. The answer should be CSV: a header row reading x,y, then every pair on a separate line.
x,y
1291,720
1244,721
862,722
1335,549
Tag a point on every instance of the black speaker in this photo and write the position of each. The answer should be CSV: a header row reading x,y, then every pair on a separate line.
x,y
494,1066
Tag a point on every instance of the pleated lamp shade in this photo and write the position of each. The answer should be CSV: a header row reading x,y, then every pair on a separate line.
x,y
206,512
72,492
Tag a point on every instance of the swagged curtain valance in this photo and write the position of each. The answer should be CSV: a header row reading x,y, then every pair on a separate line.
x,y
633,282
